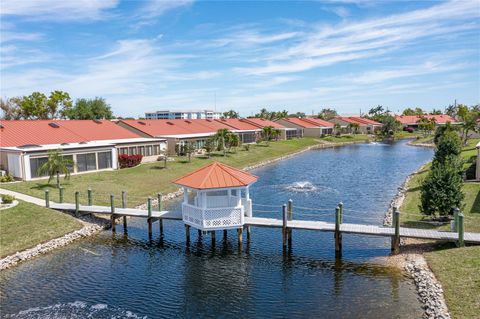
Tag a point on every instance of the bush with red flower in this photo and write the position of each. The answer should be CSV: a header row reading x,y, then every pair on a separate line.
x,y
125,160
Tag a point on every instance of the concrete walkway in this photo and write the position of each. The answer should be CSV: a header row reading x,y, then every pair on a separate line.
x,y
25,198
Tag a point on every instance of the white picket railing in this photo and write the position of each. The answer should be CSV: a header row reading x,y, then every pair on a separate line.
x,y
213,218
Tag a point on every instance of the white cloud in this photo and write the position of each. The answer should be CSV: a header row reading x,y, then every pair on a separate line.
x,y
57,10
156,8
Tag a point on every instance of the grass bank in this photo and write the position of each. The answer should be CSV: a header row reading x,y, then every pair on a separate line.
x,y
148,179
411,215
27,225
456,268
458,271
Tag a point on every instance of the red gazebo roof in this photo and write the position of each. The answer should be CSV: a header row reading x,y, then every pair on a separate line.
x,y
216,175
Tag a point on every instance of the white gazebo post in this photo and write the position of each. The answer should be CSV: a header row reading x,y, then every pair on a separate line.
x,y
215,207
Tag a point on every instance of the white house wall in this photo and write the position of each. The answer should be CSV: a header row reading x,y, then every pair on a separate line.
x,y
15,165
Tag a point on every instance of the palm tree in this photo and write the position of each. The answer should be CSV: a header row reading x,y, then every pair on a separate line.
x,y
222,137
55,165
210,145
233,141
267,133
354,127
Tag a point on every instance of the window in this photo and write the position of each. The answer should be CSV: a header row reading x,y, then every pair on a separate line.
x,y
86,162
141,150
104,160
70,158
123,150
132,150
35,164
149,150
156,149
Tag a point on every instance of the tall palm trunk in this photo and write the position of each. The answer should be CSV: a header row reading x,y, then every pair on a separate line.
x,y
58,179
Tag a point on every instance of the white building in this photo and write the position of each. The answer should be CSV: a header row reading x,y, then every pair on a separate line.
x,y
183,115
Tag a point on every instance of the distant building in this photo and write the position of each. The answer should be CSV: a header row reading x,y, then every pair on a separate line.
x,y
183,115
308,125
365,126
413,120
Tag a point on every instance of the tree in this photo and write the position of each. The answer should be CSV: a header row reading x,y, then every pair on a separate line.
x,y
57,104
354,127
469,120
56,165
210,145
222,137
231,114
298,114
441,191
233,141
390,126
327,114
440,131
408,111
449,144
267,133
90,109
189,149
427,125
436,112
337,128
451,110
10,108
376,113
34,106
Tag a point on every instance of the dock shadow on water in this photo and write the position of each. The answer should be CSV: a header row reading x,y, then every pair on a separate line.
x,y
118,276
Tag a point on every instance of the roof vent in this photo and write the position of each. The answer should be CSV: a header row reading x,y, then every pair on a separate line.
x,y
1,126
189,122
98,121
208,120
54,125
170,123
142,123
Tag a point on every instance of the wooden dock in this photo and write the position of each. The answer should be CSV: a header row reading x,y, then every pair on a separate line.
x,y
344,228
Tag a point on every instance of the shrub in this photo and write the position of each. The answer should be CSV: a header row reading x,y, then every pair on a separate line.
x,y
246,147
441,191
408,129
8,199
449,144
6,178
125,160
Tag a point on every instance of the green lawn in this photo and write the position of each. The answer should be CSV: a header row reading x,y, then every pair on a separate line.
x,y
458,269
424,140
411,213
27,225
347,138
148,179
406,135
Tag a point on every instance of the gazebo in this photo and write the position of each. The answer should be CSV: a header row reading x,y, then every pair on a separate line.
x,y
216,197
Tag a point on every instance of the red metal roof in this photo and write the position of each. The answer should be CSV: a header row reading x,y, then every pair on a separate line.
x,y
216,175
263,123
176,127
413,119
363,120
44,132
318,121
239,124
300,122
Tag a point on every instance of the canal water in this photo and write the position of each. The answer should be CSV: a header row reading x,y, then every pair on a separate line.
x,y
120,276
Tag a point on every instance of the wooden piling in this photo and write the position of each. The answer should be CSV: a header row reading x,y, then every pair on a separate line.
x,y
199,234
338,234
187,233
112,211
248,233
240,236
341,212
60,194
160,221
461,230
225,234
77,202
124,205
149,220
213,237
456,211
396,237
284,226
290,217
89,196
47,198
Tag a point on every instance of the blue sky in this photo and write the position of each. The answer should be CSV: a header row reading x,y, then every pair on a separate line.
x,y
300,56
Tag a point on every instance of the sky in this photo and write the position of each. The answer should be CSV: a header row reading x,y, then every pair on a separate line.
x,y
300,56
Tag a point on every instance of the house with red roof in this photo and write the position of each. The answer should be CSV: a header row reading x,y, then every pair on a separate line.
x,y
93,145
413,120
365,126
285,132
310,126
